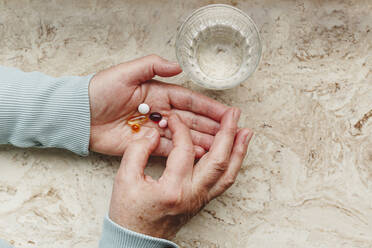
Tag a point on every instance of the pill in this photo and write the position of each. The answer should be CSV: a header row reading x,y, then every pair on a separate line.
x,y
143,108
139,119
136,128
155,117
163,123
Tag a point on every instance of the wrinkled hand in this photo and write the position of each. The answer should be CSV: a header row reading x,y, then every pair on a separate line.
x,y
115,94
160,207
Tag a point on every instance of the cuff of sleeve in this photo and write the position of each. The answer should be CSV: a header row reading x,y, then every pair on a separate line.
x,y
114,236
72,120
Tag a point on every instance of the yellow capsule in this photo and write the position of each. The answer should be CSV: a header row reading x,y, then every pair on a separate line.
x,y
135,128
139,119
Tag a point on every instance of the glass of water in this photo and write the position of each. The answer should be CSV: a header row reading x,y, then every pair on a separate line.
x,y
218,46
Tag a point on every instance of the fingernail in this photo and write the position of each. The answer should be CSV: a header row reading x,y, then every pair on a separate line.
x,y
237,113
231,113
248,138
173,62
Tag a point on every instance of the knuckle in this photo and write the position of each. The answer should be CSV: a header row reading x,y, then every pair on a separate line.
x,y
197,139
220,163
222,167
154,57
190,100
194,122
209,141
202,140
228,182
215,129
240,152
231,130
223,185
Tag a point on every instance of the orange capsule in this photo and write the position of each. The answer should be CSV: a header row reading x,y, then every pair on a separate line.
x,y
139,119
135,128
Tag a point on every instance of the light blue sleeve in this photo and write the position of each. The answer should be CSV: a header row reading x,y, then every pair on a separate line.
x,y
114,236
37,110
3,244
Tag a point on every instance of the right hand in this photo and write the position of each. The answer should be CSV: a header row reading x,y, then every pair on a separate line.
x,y
160,207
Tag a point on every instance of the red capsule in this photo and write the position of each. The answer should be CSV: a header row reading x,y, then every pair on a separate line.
x,y
155,117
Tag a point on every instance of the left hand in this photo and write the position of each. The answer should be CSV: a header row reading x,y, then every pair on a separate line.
x,y
115,94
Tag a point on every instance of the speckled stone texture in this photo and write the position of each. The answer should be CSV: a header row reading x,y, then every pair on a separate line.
x,y
307,181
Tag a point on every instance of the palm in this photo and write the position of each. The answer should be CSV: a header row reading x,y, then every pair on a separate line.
x,y
115,97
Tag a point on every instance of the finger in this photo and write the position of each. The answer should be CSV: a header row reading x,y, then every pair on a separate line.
x,y
215,162
181,159
197,122
137,154
145,68
199,151
185,99
199,139
165,147
237,156
224,139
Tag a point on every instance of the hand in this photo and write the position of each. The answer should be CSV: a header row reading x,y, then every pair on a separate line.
x,y
160,207
115,94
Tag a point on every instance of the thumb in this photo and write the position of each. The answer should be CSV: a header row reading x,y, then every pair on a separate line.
x,y
140,70
137,154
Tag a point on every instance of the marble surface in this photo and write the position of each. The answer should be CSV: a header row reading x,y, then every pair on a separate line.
x,y
307,181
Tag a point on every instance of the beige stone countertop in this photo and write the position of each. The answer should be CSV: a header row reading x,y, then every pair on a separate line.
x,y
307,180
